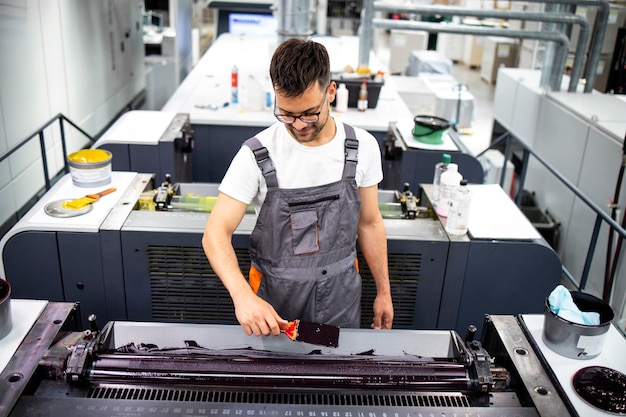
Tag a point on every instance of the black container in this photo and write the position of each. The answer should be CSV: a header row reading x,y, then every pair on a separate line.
x,y
354,85
544,223
5,308
573,340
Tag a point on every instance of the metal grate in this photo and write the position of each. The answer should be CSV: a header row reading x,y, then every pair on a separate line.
x,y
210,395
404,273
184,287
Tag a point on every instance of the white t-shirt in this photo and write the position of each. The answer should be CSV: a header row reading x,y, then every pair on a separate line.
x,y
299,166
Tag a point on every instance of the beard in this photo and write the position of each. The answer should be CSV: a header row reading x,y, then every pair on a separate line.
x,y
310,132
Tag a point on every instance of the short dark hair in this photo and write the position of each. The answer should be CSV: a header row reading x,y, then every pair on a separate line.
x,y
296,64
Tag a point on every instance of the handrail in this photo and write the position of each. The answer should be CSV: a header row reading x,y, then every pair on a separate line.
x,y
600,214
39,133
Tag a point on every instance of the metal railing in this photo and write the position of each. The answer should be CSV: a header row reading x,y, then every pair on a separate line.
x,y
601,216
39,133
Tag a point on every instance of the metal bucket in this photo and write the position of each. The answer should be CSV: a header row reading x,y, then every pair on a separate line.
x,y
6,322
573,340
90,167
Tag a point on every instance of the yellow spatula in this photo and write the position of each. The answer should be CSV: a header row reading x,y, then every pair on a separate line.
x,y
88,199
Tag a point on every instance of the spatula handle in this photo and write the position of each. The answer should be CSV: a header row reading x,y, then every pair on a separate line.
x,y
101,193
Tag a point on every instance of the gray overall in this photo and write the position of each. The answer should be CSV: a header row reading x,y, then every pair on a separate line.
x,y
303,247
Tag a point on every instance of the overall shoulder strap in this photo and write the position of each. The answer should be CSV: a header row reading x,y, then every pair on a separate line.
x,y
351,152
264,161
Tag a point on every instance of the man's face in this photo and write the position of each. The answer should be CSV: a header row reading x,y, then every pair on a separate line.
x,y
312,104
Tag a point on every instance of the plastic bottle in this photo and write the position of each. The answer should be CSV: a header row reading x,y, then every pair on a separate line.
x,y
458,210
440,168
450,181
269,93
256,94
362,102
341,105
234,85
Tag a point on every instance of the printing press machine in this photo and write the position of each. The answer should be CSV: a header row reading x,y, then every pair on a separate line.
x,y
151,141
162,369
407,160
122,262
220,127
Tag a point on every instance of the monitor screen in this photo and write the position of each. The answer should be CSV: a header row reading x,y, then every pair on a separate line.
x,y
252,24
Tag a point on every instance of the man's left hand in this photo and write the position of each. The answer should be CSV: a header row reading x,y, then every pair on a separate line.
x,y
383,312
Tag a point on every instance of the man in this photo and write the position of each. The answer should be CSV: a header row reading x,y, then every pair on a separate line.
x,y
314,184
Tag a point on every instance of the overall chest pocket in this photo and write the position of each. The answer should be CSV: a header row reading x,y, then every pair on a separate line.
x,y
305,231
305,223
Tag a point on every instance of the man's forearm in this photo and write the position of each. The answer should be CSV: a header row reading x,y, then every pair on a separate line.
x,y
373,244
223,260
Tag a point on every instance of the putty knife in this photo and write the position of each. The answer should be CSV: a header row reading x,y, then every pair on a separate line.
x,y
314,333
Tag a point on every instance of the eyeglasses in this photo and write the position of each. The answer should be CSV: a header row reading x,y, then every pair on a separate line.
x,y
305,118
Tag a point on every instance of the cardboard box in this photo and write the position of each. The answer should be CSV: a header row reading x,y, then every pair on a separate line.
x,y
473,51
520,6
528,58
616,20
497,52
450,45
590,13
401,44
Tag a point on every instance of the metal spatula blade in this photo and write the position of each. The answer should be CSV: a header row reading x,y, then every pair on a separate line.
x,y
311,332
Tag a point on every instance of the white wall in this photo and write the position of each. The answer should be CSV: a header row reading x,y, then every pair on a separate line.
x,y
82,58
179,45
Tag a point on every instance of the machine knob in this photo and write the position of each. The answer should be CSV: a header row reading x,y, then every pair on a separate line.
x,y
93,326
471,332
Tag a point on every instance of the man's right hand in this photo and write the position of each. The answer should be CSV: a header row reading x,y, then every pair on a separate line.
x,y
256,315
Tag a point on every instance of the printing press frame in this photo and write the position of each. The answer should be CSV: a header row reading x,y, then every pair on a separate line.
x,y
149,265
70,381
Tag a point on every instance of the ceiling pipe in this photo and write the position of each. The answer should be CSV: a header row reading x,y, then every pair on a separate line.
x,y
559,38
579,57
294,19
595,48
366,33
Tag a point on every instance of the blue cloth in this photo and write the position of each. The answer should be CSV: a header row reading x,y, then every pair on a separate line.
x,y
562,304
